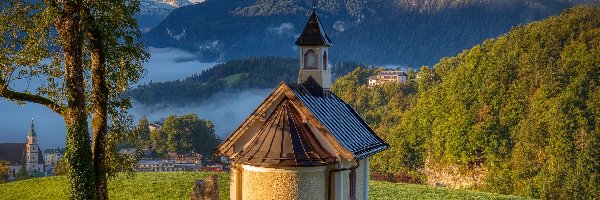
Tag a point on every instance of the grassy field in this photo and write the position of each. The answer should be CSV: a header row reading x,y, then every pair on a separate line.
x,y
399,191
230,80
178,185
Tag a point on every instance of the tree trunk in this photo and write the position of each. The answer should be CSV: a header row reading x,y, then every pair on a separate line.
x,y
100,118
78,153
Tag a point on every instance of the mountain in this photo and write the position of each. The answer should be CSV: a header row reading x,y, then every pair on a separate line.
x,y
152,12
402,32
175,3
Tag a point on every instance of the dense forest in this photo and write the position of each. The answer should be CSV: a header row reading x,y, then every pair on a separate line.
x,y
523,109
232,76
408,33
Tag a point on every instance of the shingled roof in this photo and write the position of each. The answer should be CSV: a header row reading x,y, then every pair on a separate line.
x,y
336,130
55,151
284,140
13,153
313,34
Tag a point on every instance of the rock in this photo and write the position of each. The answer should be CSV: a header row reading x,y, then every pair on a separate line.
x,y
207,189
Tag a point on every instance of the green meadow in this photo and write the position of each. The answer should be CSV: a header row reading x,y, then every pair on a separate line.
x,y
178,185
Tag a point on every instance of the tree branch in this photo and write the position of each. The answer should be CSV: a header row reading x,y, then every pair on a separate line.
x,y
21,96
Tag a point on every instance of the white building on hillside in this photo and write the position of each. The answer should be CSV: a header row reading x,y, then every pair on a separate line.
x,y
387,76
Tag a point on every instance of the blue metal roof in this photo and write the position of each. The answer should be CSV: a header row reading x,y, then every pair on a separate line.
x,y
339,119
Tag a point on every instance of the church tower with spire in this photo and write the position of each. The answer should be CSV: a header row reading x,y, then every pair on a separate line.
x,y
33,155
314,49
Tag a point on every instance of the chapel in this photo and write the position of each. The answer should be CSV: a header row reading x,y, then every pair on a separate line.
x,y
302,142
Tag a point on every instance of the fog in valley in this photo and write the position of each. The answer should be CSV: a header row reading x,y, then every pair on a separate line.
x,y
226,110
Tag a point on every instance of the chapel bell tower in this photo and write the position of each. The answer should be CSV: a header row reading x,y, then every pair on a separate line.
x,y
314,51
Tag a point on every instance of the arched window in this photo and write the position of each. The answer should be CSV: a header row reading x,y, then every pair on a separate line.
x,y
325,61
310,60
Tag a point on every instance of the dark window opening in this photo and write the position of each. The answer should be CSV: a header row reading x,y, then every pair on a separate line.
x,y
325,61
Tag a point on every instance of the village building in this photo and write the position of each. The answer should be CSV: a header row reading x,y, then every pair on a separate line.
x,y
14,153
387,76
52,156
302,142
163,166
24,155
176,162
51,159
189,158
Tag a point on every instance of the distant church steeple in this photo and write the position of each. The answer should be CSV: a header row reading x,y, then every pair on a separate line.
x,y
314,49
32,130
33,151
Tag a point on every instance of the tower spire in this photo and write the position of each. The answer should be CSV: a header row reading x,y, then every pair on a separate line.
x,y
314,47
32,129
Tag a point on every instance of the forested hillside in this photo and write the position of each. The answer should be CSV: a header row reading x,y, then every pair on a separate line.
x,y
523,109
233,76
402,32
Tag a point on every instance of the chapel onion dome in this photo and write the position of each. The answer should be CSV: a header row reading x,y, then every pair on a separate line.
x,y
314,34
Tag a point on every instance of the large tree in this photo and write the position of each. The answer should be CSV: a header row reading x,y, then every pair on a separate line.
x,y
58,43
116,57
189,133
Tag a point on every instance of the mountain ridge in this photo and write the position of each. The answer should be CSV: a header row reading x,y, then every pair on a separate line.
x,y
152,12
402,32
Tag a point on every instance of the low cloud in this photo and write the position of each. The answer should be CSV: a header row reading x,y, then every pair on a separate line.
x,y
226,110
284,30
168,64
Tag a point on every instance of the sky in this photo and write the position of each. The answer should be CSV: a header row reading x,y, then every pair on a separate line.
x,y
226,110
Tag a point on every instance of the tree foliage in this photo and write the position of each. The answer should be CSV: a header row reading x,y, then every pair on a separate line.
x,y
60,169
143,131
524,106
4,170
184,134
